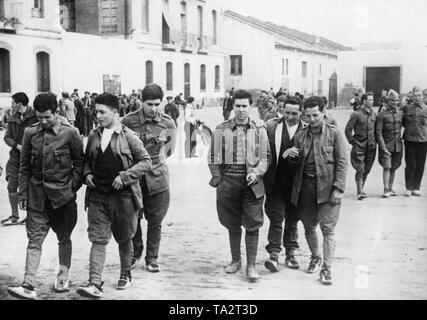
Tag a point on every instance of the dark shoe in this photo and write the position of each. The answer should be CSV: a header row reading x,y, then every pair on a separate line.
x,y
233,267
24,221
10,221
153,267
291,262
416,193
124,282
90,291
360,196
272,265
386,194
314,265
251,273
325,276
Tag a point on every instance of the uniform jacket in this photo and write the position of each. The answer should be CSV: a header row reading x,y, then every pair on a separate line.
x,y
135,159
389,130
415,122
360,129
51,165
275,142
159,138
258,153
15,132
331,162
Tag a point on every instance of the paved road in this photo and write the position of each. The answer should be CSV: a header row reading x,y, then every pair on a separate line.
x,y
387,238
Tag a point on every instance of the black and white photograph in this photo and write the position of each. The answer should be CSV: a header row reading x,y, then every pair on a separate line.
x,y
213,150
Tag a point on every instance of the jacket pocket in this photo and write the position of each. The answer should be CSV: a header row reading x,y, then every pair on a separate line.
x,y
63,158
328,153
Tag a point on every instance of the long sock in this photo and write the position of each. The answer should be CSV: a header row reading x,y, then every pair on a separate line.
x,y
13,200
235,238
386,178
251,240
391,182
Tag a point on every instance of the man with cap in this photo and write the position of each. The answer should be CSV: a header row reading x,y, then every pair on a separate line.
x,y
50,175
158,133
360,133
22,117
415,136
172,110
389,137
115,161
239,157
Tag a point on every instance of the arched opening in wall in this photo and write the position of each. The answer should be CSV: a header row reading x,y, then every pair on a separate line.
x,y
215,27
4,70
43,72
169,76
217,78
203,77
187,79
148,72
200,24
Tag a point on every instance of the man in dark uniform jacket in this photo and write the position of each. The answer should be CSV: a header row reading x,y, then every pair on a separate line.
x,y
23,117
158,132
278,185
172,110
50,175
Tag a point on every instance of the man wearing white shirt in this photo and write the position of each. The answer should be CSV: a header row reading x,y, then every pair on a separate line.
x,y
278,185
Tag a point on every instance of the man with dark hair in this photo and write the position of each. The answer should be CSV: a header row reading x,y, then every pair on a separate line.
x,y
276,111
115,161
238,158
262,104
172,110
50,175
389,137
69,108
158,133
360,133
415,136
321,157
22,117
135,104
278,184
179,101
89,108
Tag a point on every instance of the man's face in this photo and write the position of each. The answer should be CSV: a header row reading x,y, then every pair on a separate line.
x,y
47,119
292,114
170,100
393,102
242,108
16,106
151,107
87,95
314,117
369,102
418,96
105,115
262,95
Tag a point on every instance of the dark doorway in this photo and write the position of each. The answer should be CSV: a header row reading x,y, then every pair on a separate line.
x,y
43,72
382,78
187,88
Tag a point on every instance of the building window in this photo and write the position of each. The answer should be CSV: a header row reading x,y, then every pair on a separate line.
x,y
37,11
43,72
304,69
183,23
4,70
200,14
283,66
67,14
320,87
1,10
287,66
148,71
236,65
217,78
145,15
215,27
320,69
109,16
202,77
169,76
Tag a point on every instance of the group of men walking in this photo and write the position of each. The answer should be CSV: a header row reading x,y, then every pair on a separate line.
x,y
126,176
366,129
293,169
